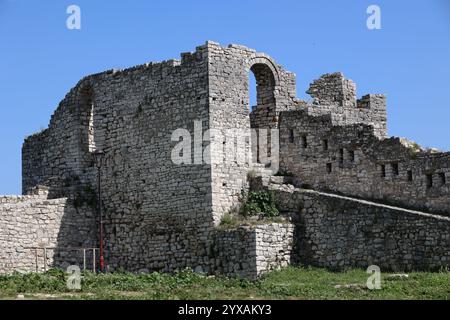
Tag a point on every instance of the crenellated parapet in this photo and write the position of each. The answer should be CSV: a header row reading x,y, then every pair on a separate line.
x,y
333,89
353,160
335,95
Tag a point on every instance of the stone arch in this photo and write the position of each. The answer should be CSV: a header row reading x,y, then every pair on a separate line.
x,y
267,79
268,62
264,115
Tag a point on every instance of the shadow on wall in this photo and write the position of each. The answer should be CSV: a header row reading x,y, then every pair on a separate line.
x,y
77,239
38,233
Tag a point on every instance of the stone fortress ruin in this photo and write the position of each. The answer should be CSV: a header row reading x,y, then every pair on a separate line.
x,y
350,195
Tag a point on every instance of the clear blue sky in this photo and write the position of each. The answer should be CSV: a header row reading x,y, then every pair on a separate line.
x,y
408,59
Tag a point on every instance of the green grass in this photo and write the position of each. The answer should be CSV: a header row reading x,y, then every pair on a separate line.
x,y
289,283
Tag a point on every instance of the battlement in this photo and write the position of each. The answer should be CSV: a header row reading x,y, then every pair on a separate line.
x,y
335,95
372,101
332,89
353,160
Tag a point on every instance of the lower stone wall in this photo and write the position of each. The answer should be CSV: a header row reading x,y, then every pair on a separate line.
x,y
37,234
338,232
327,230
249,251
27,222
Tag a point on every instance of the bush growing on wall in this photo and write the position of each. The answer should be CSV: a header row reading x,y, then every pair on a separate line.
x,y
259,202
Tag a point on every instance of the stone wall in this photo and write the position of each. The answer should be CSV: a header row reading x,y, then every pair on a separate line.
x,y
161,214
248,252
33,221
334,95
338,232
158,213
352,160
229,71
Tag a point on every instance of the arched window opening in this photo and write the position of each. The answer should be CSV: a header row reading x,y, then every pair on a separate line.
x,y
91,140
263,79
87,119
91,121
252,91
262,108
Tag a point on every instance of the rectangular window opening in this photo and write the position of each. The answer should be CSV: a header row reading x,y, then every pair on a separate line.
x,y
304,142
395,168
291,136
442,178
383,171
325,144
351,155
329,168
429,178
341,156
410,175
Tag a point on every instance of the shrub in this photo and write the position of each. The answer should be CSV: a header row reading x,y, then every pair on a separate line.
x,y
259,201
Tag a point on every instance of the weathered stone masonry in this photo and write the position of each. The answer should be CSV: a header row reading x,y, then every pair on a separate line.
x,y
163,216
33,221
249,251
158,214
354,157
338,232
